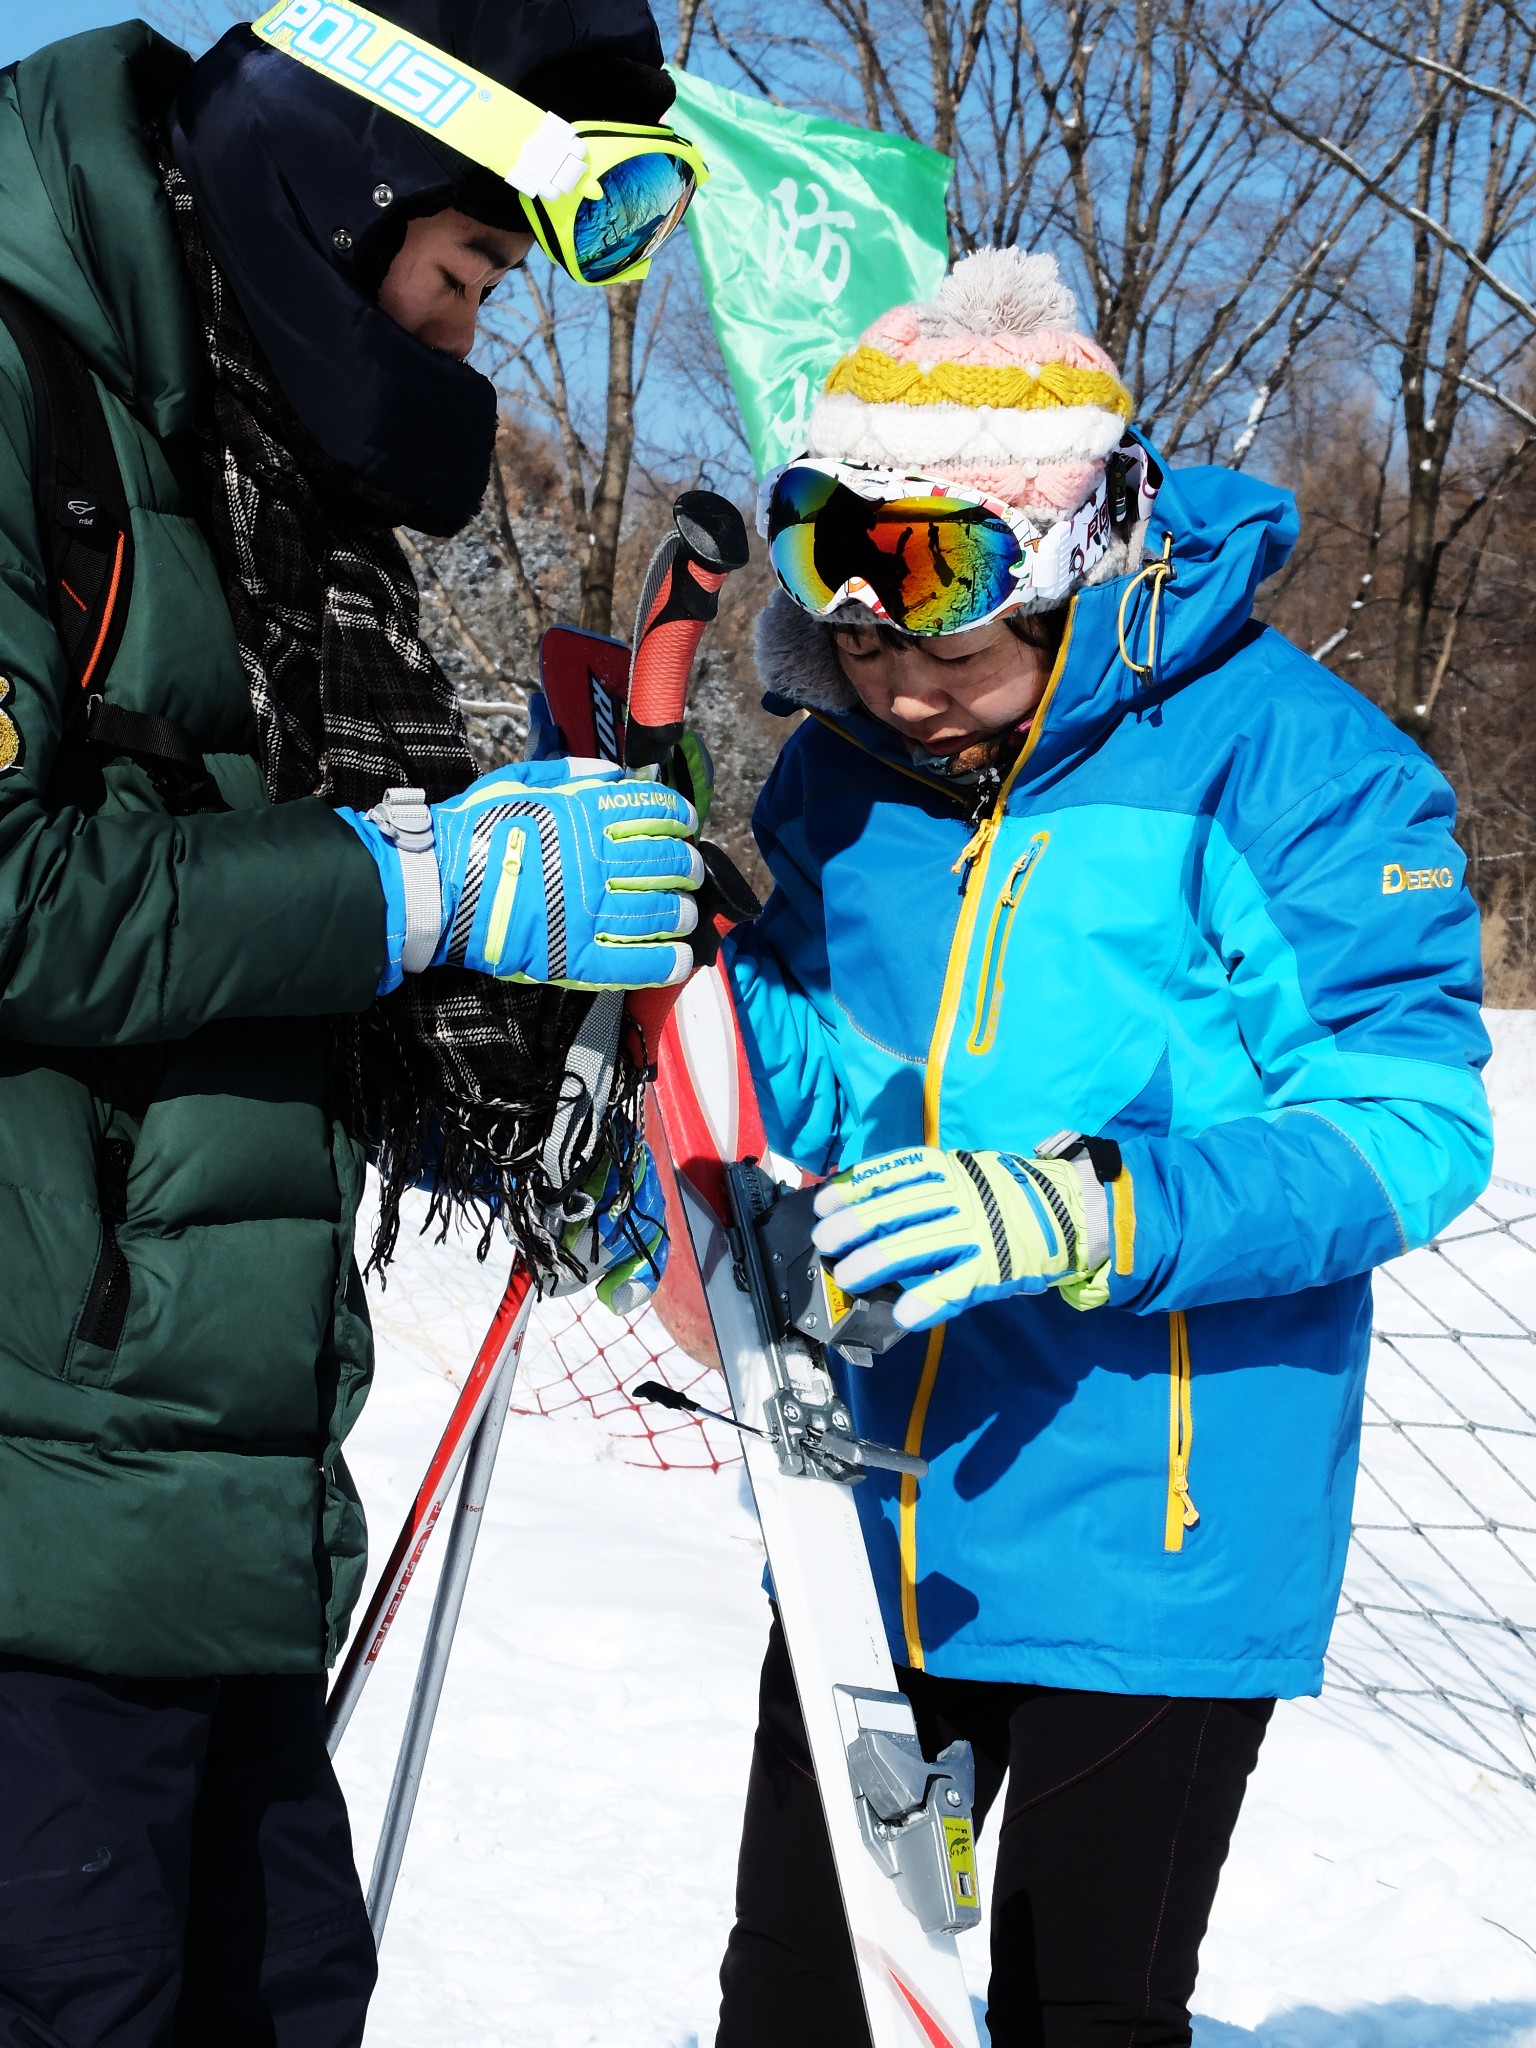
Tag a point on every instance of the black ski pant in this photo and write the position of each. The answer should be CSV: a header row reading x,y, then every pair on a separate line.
x,y
175,1866
1115,1825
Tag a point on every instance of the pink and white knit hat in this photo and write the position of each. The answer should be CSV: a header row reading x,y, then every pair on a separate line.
x,y
989,384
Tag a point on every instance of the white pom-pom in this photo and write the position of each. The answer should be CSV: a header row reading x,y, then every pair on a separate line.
x,y
1003,291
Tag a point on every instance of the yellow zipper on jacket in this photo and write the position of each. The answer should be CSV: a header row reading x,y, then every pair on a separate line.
x,y
1182,1513
989,990
974,861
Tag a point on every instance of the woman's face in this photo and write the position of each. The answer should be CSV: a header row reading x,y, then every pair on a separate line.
x,y
947,692
448,265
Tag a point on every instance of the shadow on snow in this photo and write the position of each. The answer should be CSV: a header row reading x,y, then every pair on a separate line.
x,y
1406,2023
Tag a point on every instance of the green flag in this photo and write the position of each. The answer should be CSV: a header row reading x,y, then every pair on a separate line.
x,y
805,232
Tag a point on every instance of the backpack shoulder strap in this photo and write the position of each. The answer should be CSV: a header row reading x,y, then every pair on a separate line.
x,y
82,508
87,536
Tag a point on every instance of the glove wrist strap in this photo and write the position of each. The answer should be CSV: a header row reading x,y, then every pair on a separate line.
x,y
1074,1149
403,817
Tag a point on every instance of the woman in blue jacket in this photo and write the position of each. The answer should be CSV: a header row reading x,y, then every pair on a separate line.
x,y
1121,972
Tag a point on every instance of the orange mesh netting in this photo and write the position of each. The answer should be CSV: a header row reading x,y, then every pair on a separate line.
x,y
578,1357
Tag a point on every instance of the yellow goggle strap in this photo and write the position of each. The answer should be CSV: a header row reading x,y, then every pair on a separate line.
x,y
534,151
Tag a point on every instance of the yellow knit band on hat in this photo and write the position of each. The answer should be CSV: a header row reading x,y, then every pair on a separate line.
x,y
878,379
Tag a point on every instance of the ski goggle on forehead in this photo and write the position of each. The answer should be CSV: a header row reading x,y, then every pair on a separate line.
x,y
602,196
931,556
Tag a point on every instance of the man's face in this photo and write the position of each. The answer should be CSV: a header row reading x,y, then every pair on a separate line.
x,y
447,267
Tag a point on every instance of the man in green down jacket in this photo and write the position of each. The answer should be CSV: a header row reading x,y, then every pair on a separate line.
x,y
213,931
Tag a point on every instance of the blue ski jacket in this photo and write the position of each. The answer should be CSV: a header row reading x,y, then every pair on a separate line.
x,y
1217,914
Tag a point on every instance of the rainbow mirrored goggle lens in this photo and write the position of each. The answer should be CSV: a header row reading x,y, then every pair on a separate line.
x,y
928,564
643,200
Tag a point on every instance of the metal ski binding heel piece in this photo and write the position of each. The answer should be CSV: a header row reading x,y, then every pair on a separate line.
x,y
900,1826
915,1816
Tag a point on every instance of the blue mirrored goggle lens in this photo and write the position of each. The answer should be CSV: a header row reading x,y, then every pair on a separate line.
x,y
643,200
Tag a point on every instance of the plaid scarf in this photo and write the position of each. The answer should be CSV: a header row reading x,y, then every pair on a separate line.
x,y
453,1081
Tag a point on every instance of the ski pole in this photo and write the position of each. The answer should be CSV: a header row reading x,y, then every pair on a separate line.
x,y
679,598
477,1421
497,1358
433,1668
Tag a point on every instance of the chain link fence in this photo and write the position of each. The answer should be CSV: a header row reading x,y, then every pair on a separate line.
x,y
1437,1623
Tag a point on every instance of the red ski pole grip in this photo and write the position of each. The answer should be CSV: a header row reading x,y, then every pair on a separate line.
x,y
658,689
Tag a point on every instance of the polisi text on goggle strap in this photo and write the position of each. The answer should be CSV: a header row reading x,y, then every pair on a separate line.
x,y
386,65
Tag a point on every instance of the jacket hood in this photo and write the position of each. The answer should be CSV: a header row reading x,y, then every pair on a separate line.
x,y
1222,533
1228,533
85,229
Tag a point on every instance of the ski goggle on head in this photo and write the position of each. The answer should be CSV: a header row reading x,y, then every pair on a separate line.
x,y
931,556
601,196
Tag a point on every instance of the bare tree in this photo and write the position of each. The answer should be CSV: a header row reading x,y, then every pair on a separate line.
x,y
533,342
1446,159
1106,130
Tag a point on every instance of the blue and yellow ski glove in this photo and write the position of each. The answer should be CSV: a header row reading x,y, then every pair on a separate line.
x,y
956,1229
622,1244
561,871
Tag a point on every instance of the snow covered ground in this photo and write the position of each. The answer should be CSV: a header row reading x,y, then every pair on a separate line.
x,y
568,1880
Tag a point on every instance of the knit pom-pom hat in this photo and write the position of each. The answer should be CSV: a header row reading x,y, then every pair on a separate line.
x,y
989,384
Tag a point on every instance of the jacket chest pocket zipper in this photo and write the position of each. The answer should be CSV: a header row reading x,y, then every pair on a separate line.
x,y
106,1301
989,992
1182,1513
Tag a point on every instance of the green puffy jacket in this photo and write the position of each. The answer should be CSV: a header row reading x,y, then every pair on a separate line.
x,y
174,1503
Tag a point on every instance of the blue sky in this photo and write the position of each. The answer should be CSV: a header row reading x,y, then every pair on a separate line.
x,y
25,24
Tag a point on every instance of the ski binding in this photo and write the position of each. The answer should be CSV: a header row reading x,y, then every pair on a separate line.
x,y
800,1310
916,1817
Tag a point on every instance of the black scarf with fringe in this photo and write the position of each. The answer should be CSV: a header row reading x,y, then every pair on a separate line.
x,y
453,1081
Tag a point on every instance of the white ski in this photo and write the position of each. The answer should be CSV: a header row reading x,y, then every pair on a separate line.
x,y
900,1825
886,1853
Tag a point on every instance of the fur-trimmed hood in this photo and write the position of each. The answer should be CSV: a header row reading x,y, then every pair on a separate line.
x,y
796,658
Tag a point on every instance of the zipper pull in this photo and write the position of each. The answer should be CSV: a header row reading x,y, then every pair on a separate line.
x,y
973,849
1181,1491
